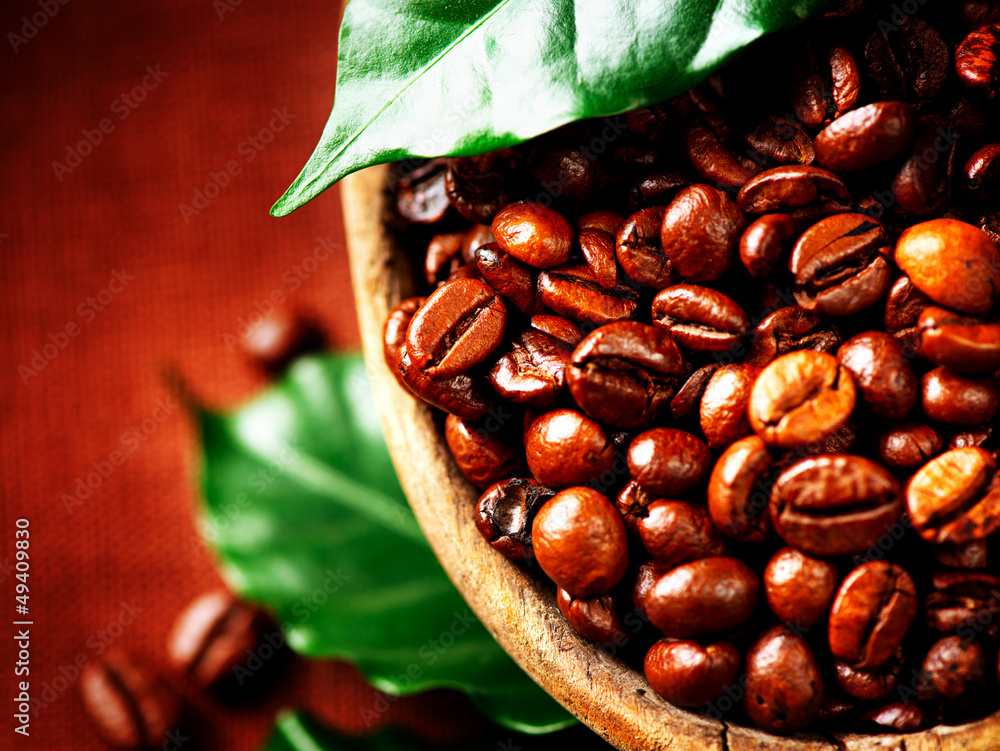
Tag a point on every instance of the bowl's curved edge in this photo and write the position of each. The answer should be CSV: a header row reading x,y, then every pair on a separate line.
x,y
521,615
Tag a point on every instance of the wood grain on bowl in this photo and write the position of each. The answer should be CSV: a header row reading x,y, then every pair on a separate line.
x,y
610,697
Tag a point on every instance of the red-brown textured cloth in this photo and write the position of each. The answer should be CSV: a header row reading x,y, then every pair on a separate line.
x,y
93,240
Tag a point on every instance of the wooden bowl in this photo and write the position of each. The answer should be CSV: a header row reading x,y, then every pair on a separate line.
x,y
610,697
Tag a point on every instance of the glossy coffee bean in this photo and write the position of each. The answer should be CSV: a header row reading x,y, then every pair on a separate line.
x,y
479,186
766,243
826,84
981,175
689,393
834,504
624,374
533,234
458,327
505,512
532,371
421,197
784,686
739,491
701,229
602,219
639,249
514,281
841,264
443,257
959,399
461,395
473,240
982,436
595,618
776,141
964,602
903,307
483,456
922,186
704,597
711,159
886,383
212,636
579,541
598,248
955,498
723,409
131,708
573,291
790,329
801,398
875,684
976,61
800,191
910,64
894,717
871,613
394,332
558,328
676,532
700,318
908,445
799,589
954,674
866,136
632,503
690,674
668,462
569,173
961,343
655,186
953,263
566,448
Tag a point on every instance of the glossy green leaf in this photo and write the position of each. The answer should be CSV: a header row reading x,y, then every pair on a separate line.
x,y
305,512
438,77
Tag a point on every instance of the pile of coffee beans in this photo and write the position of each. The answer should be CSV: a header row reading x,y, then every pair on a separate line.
x,y
726,369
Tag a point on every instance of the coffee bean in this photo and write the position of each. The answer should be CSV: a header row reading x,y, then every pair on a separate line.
x,y
473,240
479,186
700,318
826,85
963,344
895,717
421,197
788,330
443,257
990,225
598,248
903,307
461,395
640,250
799,589
701,229
567,173
911,63
579,541
834,504
739,490
130,706
784,687
656,186
505,512
624,374
723,411
922,186
803,192
954,675
909,445
871,613
959,399
976,61
602,219
483,456
875,684
711,159
688,396
668,462
573,291
690,674
841,264
981,175
532,371
775,141
887,385
676,532
558,328
767,242
964,601
866,136
801,398
955,498
534,234
595,618
566,448
514,281
953,263
394,333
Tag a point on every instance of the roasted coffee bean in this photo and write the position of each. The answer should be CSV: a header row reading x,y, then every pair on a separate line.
x,y
558,328
767,242
959,399
903,307
688,396
690,674
573,291
865,137
699,318
802,192
784,687
961,343
130,706
801,398
965,603
723,410
532,371
579,541
870,685
953,263
775,141
632,503
657,187
826,85
711,159
954,674
279,338
981,175
460,395
922,186
701,229
534,234
739,490
909,445
483,456
598,248
602,219
459,325
595,618
212,636
834,504
886,383
788,330
505,512
443,257
394,332
976,61
896,717
640,249
473,240
703,597
910,64
982,436
676,532
969,556
421,197
871,613
514,281
624,374
668,462
841,264
566,448
479,186
955,498
571,174
799,589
